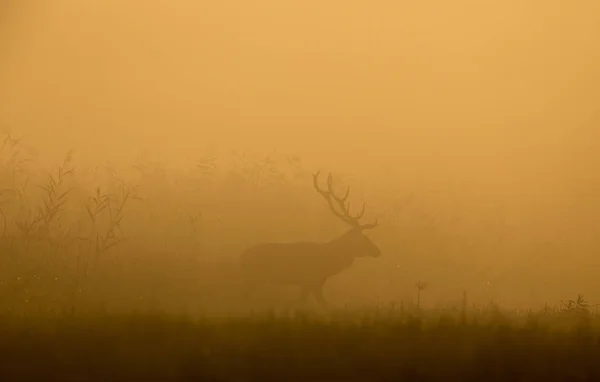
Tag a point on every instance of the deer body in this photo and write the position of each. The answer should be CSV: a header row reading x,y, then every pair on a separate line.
x,y
305,264
293,263
309,264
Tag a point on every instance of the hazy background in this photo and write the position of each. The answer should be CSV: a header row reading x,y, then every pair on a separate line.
x,y
486,111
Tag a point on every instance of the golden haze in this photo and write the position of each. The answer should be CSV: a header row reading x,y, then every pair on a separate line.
x,y
485,110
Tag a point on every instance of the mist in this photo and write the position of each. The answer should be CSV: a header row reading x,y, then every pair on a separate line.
x,y
469,128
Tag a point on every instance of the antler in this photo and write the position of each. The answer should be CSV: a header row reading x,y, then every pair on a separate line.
x,y
344,215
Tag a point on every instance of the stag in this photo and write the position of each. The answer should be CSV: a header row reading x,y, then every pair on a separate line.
x,y
308,264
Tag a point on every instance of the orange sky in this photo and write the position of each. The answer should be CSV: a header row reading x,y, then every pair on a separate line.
x,y
499,97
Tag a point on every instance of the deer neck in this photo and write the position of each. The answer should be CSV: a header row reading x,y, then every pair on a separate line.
x,y
338,248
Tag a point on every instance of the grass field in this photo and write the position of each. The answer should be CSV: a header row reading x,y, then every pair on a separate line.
x,y
301,346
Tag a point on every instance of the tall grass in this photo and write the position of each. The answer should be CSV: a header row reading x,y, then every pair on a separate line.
x,y
301,346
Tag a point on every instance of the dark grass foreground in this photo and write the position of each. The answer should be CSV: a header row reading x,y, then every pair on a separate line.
x,y
298,347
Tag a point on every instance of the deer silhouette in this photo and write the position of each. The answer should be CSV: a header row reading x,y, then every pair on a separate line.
x,y
309,264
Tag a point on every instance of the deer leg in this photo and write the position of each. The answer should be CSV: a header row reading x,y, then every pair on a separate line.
x,y
304,294
301,300
317,292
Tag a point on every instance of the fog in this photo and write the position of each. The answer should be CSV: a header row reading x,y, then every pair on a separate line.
x,y
485,112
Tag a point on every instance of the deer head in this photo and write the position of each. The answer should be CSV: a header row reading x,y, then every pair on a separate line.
x,y
353,241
